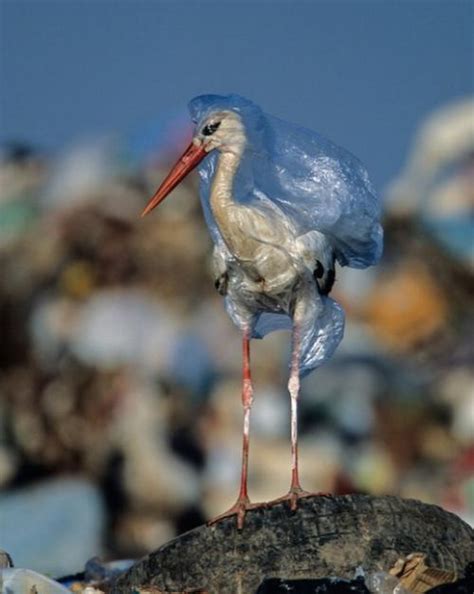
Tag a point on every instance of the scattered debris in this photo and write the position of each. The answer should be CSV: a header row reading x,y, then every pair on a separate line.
x,y
26,581
5,560
417,577
322,586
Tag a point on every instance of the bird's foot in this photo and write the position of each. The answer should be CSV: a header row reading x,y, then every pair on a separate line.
x,y
239,509
294,495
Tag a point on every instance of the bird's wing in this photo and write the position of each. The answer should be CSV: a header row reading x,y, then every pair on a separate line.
x,y
320,186
311,182
315,184
316,251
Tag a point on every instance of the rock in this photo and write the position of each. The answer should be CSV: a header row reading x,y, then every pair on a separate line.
x,y
325,536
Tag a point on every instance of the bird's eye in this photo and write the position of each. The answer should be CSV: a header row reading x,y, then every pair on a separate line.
x,y
210,129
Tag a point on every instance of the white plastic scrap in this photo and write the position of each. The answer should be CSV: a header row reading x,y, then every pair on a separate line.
x,y
26,581
383,583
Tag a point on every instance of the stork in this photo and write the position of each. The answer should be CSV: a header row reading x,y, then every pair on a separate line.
x,y
283,204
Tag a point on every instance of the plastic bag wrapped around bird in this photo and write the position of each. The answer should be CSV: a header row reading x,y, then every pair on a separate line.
x,y
315,185
282,204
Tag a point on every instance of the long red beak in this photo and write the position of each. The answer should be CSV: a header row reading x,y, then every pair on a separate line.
x,y
187,162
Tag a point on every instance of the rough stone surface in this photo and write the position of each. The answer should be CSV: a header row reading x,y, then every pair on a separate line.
x,y
325,536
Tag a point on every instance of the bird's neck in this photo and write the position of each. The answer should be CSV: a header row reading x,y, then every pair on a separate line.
x,y
221,198
223,181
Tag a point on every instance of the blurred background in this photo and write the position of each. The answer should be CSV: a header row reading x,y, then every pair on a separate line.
x,y
120,414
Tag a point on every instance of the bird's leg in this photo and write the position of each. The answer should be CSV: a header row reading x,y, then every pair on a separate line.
x,y
247,399
296,492
243,502
294,389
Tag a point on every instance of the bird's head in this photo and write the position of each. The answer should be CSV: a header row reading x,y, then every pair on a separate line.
x,y
221,130
220,126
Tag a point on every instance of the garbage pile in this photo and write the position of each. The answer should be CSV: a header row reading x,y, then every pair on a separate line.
x,y
120,370
97,578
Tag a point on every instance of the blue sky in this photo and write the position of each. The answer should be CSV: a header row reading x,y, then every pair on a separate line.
x,y
362,73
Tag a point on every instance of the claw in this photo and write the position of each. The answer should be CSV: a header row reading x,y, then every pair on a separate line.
x,y
239,509
294,495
